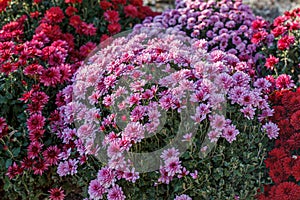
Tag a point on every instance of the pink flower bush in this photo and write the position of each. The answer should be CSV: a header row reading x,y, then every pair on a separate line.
x,y
97,82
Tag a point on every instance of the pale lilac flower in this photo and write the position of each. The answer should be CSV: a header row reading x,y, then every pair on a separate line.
x,y
106,176
217,122
183,197
229,133
115,193
131,175
271,129
248,112
96,190
173,166
164,178
214,135
169,153
194,175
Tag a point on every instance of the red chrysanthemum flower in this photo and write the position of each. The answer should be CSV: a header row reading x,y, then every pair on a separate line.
x,y
33,69
34,14
39,167
105,5
111,16
35,135
35,121
75,21
279,113
284,81
13,171
86,29
3,5
34,149
278,30
285,42
54,15
295,120
277,173
274,157
56,194
51,155
50,76
3,127
259,37
87,48
271,62
71,10
39,97
27,163
35,108
131,11
287,191
114,28
285,128
296,169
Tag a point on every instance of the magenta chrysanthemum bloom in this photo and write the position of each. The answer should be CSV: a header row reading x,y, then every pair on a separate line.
x,y
115,193
34,149
51,155
35,122
56,194
284,81
106,176
50,76
39,167
96,190
229,133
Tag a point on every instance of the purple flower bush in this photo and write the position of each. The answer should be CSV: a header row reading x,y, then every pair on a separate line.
x,y
90,103
225,24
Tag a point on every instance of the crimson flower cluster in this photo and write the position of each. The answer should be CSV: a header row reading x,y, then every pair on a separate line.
x,y
281,52
41,66
284,161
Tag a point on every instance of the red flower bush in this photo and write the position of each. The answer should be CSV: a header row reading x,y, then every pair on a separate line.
x,y
284,161
39,53
280,45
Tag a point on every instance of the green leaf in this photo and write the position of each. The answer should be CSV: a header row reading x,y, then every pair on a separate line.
x,y
16,151
8,163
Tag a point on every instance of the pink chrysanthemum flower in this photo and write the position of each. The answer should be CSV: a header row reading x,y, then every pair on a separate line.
x,y
96,190
56,194
106,176
115,193
218,122
230,132
170,153
173,166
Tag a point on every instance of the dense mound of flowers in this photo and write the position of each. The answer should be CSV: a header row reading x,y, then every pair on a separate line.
x,y
39,53
282,54
98,80
283,161
225,24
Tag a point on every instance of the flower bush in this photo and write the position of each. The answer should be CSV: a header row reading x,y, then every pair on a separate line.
x,y
283,160
282,53
225,24
41,47
126,58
